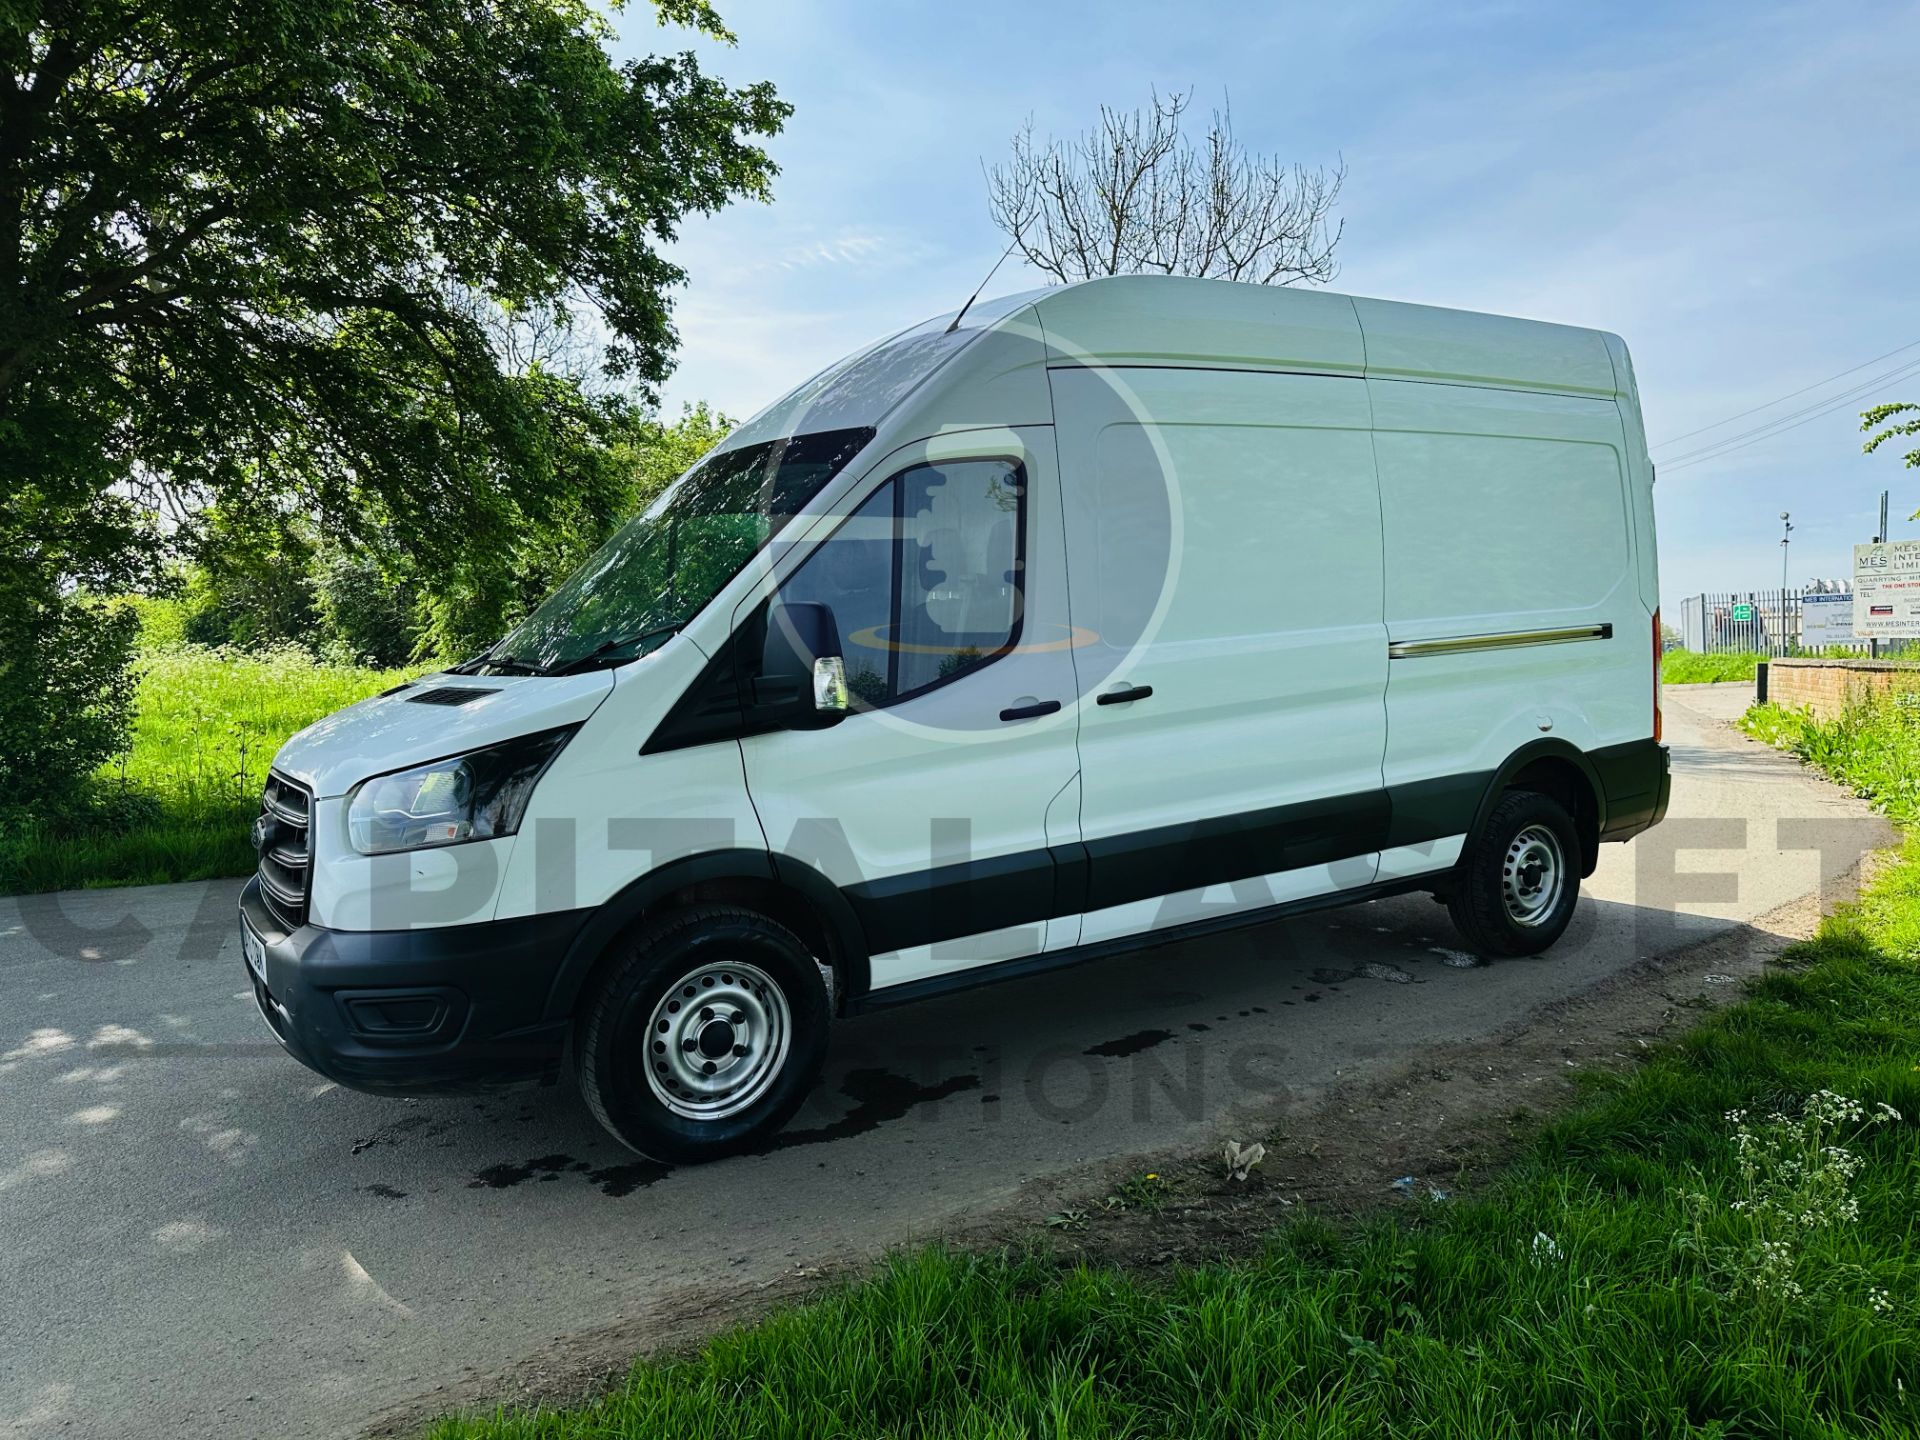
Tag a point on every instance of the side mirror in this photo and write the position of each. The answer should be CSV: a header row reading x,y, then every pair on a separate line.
x,y
801,680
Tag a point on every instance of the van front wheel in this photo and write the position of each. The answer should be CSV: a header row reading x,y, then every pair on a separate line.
x,y
1518,879
705,1035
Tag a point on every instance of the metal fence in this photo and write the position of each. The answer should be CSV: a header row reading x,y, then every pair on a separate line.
x,y
1766,621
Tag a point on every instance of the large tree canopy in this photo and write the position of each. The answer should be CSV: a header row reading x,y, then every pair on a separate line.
x,y
251,253
238,240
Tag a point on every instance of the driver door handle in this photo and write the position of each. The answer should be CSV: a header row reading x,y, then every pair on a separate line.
x,y
1031,711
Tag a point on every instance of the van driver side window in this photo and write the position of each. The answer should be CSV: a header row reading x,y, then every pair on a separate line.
x,y
924,578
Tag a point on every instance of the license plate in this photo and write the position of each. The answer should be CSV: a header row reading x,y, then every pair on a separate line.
x,y
255,949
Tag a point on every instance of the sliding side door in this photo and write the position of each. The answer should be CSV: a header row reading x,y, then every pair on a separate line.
x,y
1225,584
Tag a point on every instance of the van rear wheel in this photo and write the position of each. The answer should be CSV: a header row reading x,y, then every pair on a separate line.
x,y
1519,877
705,1036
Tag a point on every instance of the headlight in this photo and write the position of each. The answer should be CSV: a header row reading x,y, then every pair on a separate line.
x,y
475,796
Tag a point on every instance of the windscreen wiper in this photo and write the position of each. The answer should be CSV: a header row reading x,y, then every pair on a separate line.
x,y
619,642
505,664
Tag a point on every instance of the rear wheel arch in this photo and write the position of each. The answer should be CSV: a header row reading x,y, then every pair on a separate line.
x,y
1562,771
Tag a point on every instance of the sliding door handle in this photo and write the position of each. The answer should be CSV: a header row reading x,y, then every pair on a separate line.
x,y
1032,711
1126,695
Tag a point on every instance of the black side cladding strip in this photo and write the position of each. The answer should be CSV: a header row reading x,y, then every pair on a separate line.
x,y
967,898
1187,856
975,896
1434,809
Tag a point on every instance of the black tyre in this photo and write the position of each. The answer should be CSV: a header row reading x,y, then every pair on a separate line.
x,y
1519,877
705,1036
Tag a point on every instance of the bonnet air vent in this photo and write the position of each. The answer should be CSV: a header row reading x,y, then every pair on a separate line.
x,y
450,695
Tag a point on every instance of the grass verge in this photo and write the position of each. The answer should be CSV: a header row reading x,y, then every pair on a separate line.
x,y
179,804
1712,1244
1688,667
1873,748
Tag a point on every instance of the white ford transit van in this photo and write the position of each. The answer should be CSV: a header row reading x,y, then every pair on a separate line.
x,y
1114,612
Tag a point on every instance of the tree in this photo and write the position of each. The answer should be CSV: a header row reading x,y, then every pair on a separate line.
x,y
1137,194
1880,415
248,259
481,598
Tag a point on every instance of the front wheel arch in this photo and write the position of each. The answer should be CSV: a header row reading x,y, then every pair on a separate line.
x,y
786,891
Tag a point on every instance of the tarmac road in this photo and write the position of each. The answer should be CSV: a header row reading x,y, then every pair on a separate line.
x,y
198,1236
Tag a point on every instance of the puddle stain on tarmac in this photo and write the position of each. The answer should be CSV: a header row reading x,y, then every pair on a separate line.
x,y
1129,1044
505,1176
878,1096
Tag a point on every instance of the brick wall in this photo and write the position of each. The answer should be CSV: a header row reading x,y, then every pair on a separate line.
x,y
1827,687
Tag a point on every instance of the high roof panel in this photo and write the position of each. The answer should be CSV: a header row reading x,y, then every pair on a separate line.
x,y
1170,320
1464,347
1173,320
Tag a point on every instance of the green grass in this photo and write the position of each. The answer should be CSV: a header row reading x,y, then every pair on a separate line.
x,y
1687,667
1874,748
180,805
1605,1285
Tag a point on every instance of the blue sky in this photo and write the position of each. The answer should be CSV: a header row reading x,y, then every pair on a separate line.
x,y
1730,187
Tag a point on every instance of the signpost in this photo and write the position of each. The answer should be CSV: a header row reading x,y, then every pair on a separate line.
x,y
1743,614
1886,590
1826,618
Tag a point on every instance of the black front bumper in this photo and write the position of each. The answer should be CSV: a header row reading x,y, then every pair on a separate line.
x,y
415,1012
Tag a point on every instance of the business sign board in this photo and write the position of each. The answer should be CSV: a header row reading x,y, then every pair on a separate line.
x,y
1886,590
1826,618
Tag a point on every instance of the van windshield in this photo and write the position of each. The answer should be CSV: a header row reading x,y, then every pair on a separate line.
x,y
661,568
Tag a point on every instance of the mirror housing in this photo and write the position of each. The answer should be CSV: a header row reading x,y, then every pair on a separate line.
x,y
800,682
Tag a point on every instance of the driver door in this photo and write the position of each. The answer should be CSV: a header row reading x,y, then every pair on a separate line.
x,y
937,806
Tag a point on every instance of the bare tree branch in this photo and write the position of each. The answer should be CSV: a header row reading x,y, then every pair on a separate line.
x,y
1137,194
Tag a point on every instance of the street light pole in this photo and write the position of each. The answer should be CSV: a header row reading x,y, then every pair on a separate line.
x,y
1786,536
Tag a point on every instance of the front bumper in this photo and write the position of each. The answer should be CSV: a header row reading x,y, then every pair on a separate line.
x,y
415,1012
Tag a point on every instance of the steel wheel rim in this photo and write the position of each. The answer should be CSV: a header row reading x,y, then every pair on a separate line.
x,y
1532,875
717,1041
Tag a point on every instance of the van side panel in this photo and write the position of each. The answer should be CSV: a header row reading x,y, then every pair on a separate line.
x,y
1258,750
1507,518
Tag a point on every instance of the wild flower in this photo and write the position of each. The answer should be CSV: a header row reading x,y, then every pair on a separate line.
x,y
1795,1177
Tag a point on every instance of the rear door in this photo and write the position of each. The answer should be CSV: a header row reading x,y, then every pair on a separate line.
x,y
937,807
1225,575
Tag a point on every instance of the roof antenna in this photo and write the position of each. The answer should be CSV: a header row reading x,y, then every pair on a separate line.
x,y
983,285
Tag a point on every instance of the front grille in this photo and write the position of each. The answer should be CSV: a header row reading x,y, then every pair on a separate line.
x,y
280,838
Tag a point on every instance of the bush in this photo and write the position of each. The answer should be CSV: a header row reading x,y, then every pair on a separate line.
x,y
177,804
66,701
162,619
366,615
251,601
